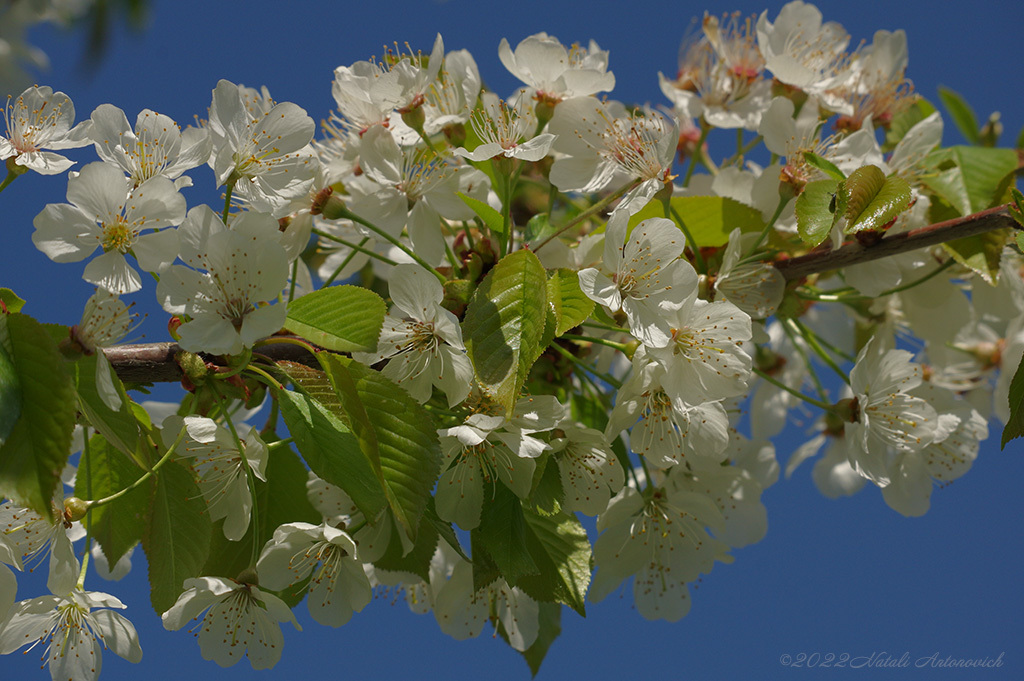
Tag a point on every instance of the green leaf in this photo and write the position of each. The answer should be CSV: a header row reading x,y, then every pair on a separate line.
x,y
119,427
177,537
905,120
416,561
549,621
961,113
1017,208
561,550
504,325
1020,140
980,252
37,445
1014,428
538,227
340,318
817,211
444,530
330,449
710,219
11,300
985,174
492,218
1020,240
874,200
824,165
571,305
395,432
10,394
503,534
547,493
119,525
281,499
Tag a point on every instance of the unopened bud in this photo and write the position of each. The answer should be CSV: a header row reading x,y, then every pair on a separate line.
x,y
75,508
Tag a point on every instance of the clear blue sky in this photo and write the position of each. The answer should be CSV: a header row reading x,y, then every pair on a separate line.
x,y
847,576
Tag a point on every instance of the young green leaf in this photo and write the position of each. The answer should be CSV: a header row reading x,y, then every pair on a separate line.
x,y
550,627
1017,207
340,318
1014,428
710,219
10,394
817,211
985,174
904,121
503,534
571,305
961,113
492,218
981,252
11,300
119,427
504,325
824,165
874,199
330,449
395,432
177,536
103,471
38,443
562,552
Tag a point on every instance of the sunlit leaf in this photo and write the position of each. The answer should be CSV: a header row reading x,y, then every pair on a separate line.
x,y
340,318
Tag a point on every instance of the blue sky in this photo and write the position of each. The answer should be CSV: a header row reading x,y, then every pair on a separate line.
x,y
848,576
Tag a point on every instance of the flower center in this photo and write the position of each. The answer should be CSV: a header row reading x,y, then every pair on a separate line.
x,y
118,236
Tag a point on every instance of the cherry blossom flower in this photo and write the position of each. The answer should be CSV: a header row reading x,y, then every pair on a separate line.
x,y
507,131
424,346
605,145
75,629
661,540
155,147
107,212
588,469
264,153
557,73
26,537
105,321
884,413
338,585
245,267
644,276
41,119
239,619
461,610
217,461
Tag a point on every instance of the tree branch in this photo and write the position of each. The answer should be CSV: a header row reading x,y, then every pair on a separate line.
x,y
891,244
155,362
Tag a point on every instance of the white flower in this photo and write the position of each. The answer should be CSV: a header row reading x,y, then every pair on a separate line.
x,y
106,212
338,586
264,151
643,276
589,470
245,266
604,144
8,592
105,321
452,95
666,430
41,119
338,510
424,346
217,461
543,63
507,131
705,359
803,52
885,415
156,147
461,610
751,285
73,631
486,449
720,76
659,538
26,536
240,619
958,435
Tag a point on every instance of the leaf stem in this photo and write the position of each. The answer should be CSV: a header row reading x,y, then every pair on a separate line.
x,y
796,393
589,212
346,213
